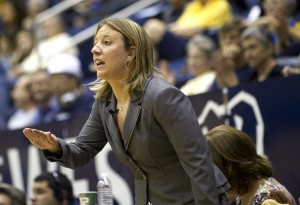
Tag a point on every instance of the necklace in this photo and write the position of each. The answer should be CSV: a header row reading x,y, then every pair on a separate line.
x,y
121,107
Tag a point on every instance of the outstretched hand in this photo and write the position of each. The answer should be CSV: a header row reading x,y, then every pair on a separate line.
x,y
42,140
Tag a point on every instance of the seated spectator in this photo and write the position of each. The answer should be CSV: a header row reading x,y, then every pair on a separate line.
x,y
249,174
10,195
55,40
258,47
199,54
6,50
43,97
198,15
33,8
26,109
72,97
229,61
11,16
52,188
20,57
279,17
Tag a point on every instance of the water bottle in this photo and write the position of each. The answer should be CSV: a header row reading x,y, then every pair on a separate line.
x,y
104,190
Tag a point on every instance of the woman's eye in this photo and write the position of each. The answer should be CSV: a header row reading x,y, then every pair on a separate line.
x,y
106,42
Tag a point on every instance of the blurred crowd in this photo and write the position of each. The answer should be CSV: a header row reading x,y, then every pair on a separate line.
x,y
42,72
201,46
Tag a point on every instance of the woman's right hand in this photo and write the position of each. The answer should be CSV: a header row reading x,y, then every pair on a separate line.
x,y
42,140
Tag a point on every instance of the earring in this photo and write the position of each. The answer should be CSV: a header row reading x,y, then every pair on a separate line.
x,y
126,64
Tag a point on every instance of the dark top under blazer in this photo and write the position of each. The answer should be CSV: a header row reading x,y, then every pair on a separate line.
x,y
163,147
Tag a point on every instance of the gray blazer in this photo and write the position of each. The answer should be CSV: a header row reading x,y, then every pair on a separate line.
x,y
162,146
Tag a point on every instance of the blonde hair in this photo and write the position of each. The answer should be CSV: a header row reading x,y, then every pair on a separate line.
x,y
140,67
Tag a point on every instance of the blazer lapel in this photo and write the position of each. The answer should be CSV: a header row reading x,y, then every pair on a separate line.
x,y
133,112
111,124
130,122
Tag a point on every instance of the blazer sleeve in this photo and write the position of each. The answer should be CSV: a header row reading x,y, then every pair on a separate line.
x,y
174,112
90,141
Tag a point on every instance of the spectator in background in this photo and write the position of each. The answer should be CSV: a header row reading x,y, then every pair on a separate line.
x,y
199,53
10,195
43,97
55,40
26,109
198,15
249,174
278,15
21,55
52,188
11,15
33,8
199,57
259,52
65,83
229,61
5,54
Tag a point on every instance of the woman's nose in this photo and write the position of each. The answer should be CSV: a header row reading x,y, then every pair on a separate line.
x,y
96,49
32,198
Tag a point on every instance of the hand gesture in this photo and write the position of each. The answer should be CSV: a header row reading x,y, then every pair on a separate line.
x,y
225,70
232,51
42,140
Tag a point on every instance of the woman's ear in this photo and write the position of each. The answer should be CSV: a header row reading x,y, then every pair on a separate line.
x,y
131,53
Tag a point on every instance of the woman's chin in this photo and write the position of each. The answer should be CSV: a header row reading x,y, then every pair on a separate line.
x,y
100,75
